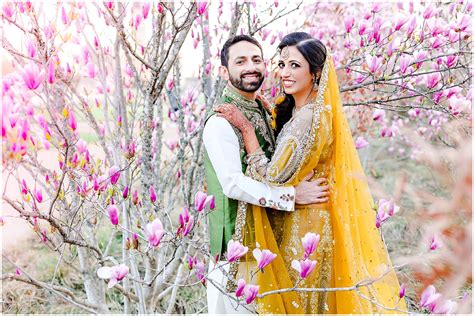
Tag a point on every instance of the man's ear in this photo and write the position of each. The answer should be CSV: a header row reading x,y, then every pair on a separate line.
x,y
224,72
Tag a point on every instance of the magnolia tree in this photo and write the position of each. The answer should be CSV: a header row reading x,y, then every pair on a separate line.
x,y
103,91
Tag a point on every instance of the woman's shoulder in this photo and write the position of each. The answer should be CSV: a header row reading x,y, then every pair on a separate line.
x,y
306,112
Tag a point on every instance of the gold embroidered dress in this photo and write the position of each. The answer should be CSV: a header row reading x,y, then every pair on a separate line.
x,y
318,138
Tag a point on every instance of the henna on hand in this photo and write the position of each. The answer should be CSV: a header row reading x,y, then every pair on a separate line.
x,y
265,103
234,116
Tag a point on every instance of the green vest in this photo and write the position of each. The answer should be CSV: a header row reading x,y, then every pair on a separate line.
x,y
222,218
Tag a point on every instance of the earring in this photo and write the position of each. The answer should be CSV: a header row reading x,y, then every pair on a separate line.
x,y
281,96
315,84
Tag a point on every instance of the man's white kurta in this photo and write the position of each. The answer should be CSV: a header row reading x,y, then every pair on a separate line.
x,y
223,149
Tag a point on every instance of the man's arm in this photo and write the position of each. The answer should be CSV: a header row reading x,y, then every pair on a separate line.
x,y
222,146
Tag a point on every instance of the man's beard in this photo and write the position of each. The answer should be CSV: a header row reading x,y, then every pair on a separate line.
x,y
247,86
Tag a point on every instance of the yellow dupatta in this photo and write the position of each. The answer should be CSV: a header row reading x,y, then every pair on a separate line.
x,y
359,251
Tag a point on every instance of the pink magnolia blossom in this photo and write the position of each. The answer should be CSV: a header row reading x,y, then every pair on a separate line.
x,y
251,292
349,22
184,217
361,142
264,257
64,17
81,146
360,78
114,174
152,194
189,225
435,243
113,214
82,190
31,48
388,206
51,74
208,68
445,307
362,27
24,187
463,23
451,60
304,267
432,80
7,10
393,46
454,91
155,232
458,105
381,218
145,9
170,85
310,242
135,197
200,272
405,61
273,39
115,274
38,195
401,294
72,121
125,192
438,41
373,62
90,70
192,262
211,201
202,6
235,250
430,12
25,128
378,115
199,201
32,76
265,33
428,296
401,21
420,57
411,27
240,288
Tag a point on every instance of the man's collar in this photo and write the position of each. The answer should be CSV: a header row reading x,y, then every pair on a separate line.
x,y
239,98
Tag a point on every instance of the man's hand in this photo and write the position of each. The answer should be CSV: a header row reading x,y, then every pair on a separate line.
x,y
312,192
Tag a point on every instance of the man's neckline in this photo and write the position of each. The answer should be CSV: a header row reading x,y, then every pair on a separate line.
x,y
233,93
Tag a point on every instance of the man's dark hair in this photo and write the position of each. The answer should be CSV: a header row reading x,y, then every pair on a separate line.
x,y
234,40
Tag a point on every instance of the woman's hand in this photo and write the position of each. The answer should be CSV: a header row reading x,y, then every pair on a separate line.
x,y
234,116
265,103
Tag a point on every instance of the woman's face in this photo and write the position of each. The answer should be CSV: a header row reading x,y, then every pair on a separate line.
x,y
294,71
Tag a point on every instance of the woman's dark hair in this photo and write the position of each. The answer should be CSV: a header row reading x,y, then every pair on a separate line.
x,y
314,52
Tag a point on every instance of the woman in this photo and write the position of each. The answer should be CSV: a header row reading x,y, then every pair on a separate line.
x,y
313,137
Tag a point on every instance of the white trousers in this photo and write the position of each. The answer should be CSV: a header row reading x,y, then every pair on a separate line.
x,y
218,302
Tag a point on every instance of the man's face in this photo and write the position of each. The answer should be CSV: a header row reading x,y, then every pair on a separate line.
x,y
246,66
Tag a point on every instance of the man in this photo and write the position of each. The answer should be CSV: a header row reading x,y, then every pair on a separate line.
x,y
243,67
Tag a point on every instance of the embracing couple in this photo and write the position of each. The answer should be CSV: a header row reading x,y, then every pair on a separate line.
x,y
288,179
